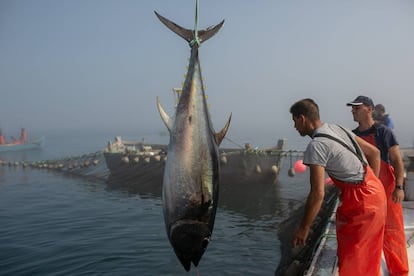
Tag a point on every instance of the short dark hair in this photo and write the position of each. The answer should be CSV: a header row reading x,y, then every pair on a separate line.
x,y
380,107
306,107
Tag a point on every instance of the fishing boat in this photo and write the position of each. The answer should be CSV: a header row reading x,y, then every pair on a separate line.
x,y
143,163
22,143
129,160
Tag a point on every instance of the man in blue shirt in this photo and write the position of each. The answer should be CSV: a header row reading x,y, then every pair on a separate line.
x,y
392,177
381,117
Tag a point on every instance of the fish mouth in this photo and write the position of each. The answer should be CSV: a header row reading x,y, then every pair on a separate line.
x,y
189,239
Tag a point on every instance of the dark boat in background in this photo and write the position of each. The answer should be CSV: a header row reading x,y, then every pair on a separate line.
x,y
134,163
141,163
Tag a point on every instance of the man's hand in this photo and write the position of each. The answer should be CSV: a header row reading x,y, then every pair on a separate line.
x,y
398,196
300,236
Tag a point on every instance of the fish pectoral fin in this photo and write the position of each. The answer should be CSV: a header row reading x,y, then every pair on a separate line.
x,y
164,116
220,135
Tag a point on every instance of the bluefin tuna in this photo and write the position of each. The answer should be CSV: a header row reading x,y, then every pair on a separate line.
x,y
191,174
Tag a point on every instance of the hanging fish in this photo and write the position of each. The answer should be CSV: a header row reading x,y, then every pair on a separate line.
x,y
191,174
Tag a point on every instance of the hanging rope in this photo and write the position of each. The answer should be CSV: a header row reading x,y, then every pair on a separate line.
x,y
196,39
235,143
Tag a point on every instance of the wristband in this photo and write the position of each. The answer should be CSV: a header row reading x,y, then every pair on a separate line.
x,y
399,187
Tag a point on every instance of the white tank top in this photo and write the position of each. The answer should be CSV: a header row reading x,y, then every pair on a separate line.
x,y
339,162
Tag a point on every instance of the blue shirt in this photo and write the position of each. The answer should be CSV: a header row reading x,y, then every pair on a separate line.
x,y
384,139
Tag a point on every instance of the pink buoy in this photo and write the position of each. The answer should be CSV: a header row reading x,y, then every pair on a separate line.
x,y
299,166
328,181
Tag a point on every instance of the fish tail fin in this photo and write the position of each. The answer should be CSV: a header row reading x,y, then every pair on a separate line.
x,y
187,34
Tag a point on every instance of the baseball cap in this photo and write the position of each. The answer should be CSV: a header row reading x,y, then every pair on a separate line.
x,y
360,100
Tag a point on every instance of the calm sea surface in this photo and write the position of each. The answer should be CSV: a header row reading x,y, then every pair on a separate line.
x,y
57,224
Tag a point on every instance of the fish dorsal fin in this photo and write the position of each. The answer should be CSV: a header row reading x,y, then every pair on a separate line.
x,y
220,135
164,116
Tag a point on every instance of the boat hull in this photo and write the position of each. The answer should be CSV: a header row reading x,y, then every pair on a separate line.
x,y
238,166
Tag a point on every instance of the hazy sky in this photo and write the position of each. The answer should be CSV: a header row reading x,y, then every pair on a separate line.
x,y
99,64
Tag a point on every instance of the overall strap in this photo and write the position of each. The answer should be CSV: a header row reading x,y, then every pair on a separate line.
x,y
357,151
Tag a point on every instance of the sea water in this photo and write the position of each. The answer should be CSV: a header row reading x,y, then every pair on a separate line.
x,y
58,224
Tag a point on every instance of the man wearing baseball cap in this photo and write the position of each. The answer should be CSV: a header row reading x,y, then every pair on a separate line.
x,y
391,176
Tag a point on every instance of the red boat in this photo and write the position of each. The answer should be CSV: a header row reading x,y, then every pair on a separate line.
x,y
22,143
